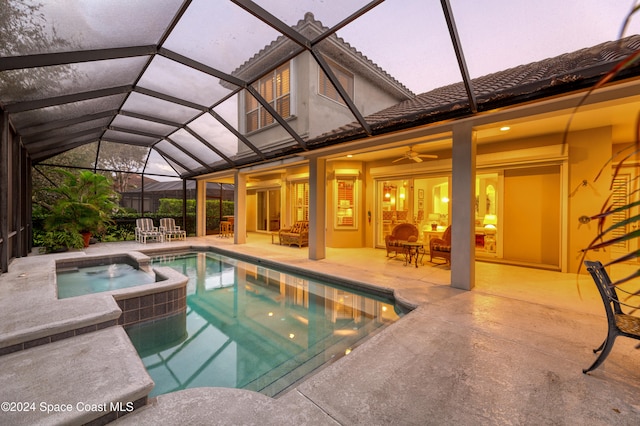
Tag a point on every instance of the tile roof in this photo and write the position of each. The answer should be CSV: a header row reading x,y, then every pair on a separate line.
x,y
561,74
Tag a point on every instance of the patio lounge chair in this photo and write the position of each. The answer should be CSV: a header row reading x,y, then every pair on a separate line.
x,y
298,234
402,233
619,323
170,230
145,229
441,247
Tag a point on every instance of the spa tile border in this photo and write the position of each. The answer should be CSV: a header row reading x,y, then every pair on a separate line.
x,y
55,337
151,306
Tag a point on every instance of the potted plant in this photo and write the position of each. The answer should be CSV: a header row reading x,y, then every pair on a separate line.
x,y
83,205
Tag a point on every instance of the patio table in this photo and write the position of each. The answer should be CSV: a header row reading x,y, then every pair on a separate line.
x,y
412,249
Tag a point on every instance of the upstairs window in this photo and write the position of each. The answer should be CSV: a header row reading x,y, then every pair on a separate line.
x,y
275,88
325,88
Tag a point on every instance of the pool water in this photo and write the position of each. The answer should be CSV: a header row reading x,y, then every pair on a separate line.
x,y
95,279
251,327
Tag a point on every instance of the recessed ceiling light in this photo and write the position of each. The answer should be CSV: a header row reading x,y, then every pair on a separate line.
x,y
349,155
505,128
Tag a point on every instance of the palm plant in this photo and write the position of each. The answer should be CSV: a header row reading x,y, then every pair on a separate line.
x,y
84,204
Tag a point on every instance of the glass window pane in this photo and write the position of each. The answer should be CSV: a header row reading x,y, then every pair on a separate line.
x,y
216,134
228,112
122,157
46,149
417,54
194,146
223,36
82,25
157,165
46,82
158,108
178,155
325,11
82,156
345,78
181,170
35,117
117,136
69,130
166,76
133,123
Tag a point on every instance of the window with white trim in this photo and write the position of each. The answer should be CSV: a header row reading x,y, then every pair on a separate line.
x,y
325,88
275,88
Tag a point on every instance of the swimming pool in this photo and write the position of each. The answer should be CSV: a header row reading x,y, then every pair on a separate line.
x,y
252,327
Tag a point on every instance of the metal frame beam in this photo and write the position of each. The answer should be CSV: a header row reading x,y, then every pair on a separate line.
x,y
201,67
273,22
172,99
457,46
150,118
137,132
60,138
54,125
49,152
66,99
64,58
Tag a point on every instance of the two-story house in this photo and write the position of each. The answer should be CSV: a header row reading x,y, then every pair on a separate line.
x,y
303,95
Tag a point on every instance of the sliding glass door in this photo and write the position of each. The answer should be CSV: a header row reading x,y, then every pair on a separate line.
x,y
268,211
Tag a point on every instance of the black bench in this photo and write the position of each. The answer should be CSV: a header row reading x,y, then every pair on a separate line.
x,y
619,323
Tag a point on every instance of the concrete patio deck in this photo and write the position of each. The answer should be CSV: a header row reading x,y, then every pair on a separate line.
x,y
511,351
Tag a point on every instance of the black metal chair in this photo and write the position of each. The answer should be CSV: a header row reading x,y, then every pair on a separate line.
x,y
619,323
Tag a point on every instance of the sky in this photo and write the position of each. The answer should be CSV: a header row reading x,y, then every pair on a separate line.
x,y
495,35
407,38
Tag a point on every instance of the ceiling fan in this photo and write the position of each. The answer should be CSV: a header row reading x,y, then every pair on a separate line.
x,y
415,156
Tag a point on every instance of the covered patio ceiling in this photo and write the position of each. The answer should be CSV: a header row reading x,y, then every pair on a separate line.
x,y
165,76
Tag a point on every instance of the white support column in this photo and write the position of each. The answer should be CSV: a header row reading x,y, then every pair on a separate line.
x,y
463,207
201,208
240,205
317,208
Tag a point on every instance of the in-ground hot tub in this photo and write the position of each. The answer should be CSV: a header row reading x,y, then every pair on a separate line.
x,y
142,293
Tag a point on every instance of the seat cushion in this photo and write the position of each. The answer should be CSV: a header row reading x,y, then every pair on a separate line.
x,y
443,248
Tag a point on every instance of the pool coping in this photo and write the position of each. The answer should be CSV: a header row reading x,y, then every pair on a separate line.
x,y
66,388
69,317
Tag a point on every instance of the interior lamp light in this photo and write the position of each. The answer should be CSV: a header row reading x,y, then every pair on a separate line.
x,y
434,218
445,199
489,222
